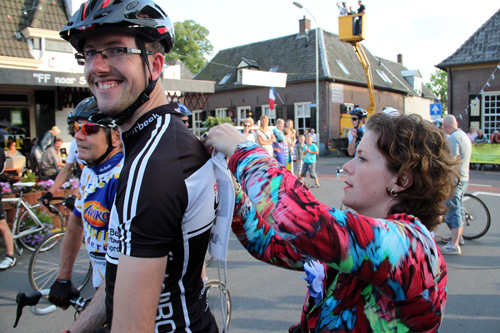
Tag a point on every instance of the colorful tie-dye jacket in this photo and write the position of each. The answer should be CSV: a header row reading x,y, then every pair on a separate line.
x,y
365,274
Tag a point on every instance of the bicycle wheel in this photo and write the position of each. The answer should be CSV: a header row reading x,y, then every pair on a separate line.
x,y
219,308
477,217
52,223
44,264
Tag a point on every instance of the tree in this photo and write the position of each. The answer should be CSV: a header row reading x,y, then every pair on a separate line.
x,y
439,86
191,45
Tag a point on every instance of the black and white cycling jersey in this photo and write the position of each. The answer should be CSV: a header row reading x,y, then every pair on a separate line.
x,y
165,205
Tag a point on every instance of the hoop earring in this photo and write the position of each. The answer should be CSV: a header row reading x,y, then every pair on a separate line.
x,y
393,193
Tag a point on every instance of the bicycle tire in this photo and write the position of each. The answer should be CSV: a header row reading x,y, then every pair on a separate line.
x,y
477,217
213,290
31,241
44,264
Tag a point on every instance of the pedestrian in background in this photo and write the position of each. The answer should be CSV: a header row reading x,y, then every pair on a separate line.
x,y
461,150
299,150
265,136
309,165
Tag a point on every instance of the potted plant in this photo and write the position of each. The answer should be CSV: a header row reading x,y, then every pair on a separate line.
x,y
70,187
45,219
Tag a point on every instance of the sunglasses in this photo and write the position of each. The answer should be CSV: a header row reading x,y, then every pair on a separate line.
x,y
246,125
354,118
88,128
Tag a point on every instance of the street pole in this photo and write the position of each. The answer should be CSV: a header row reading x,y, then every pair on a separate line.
x,y
317,65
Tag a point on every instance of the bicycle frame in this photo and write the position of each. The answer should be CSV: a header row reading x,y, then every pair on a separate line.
x,y
21,203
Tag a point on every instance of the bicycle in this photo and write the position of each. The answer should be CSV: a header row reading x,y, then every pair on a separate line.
x,y
44,263
27,227
477,217
31,300
217,291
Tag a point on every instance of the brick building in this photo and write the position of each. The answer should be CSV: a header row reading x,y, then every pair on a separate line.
x,y
474,78
342,82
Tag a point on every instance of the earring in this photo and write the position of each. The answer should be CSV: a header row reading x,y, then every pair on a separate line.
x,y
393,193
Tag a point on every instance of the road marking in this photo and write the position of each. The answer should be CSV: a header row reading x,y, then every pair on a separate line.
x,y
484,185
486,193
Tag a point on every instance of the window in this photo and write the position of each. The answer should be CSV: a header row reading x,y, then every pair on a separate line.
x,y
243,113
271,114
224,79
344,69
58,45
221,113
303,115
197,122
383,76
491,114
274,68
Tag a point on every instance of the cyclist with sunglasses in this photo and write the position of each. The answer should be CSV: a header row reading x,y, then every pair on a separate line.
x,y
99,146
166,198
358,118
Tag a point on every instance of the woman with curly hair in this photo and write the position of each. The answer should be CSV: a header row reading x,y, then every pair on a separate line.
x,y
375,270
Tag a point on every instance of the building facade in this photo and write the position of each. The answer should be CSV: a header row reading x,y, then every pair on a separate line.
x,y
342,83
474,79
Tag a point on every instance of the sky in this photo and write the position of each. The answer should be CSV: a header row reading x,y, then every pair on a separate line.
x,y
425,32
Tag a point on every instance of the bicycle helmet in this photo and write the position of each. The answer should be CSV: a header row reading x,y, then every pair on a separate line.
x,y
391,112
359,112
438,122
184,110
142,18
88,110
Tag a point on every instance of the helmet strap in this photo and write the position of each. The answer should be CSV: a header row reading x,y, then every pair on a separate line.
x,y
121,118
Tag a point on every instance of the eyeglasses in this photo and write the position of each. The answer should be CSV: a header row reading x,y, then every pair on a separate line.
x,y
88,128
354,118
112,52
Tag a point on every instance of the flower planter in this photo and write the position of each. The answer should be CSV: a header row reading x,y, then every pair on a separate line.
x,y
32,197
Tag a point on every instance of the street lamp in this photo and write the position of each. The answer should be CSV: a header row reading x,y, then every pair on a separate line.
x,y
317,65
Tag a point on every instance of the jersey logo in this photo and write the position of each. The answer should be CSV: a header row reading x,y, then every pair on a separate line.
x,y
96,214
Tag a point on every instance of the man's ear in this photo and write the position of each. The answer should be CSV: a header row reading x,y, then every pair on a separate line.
x,y
116,139
157,65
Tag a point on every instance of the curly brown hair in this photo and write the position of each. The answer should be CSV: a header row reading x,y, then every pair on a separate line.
x,y
418,152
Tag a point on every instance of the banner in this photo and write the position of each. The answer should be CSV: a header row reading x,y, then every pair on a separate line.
x,y
486,154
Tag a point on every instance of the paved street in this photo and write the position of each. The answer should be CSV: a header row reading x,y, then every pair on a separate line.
x,y
269,299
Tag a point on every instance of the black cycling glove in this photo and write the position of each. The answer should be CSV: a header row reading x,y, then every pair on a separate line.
x,y
46,198
61,292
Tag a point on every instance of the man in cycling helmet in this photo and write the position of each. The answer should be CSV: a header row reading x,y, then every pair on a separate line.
x,y
185,113
358,118
99,146
166,198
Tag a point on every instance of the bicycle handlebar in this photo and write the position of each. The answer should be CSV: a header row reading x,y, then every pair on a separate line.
x,y
48,202
32,300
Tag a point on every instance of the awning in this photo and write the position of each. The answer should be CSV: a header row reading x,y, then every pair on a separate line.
x,y
24,77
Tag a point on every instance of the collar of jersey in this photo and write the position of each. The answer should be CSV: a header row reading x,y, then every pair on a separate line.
x,y
109,164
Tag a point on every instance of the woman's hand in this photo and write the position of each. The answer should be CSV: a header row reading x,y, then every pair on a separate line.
x,y
224,138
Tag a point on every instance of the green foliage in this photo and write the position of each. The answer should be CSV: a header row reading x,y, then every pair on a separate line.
x,y
29,177
191,45
214,121
439,86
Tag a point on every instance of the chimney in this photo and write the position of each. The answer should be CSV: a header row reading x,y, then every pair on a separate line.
x,y
304,26
400,59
